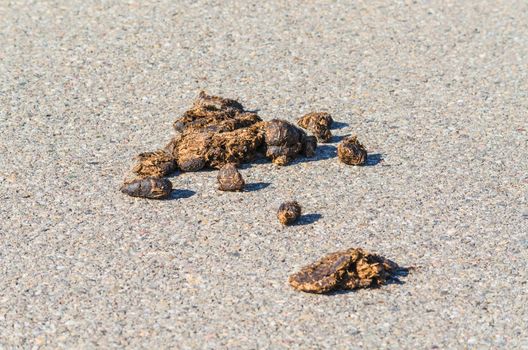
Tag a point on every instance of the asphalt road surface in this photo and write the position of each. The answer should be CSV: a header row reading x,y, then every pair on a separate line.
x,y
436,90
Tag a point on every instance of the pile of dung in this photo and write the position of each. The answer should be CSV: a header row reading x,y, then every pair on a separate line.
x,y
217,131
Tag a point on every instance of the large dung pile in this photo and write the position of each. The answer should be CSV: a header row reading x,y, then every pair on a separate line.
x,y
217,131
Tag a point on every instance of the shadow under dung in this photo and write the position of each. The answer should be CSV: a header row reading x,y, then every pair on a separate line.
x,y
394,278
374,159
308,219
256,110
256,186
338,125
322,152
179,194
338,138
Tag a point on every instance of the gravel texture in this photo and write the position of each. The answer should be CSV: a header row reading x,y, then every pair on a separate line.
x,y
436,90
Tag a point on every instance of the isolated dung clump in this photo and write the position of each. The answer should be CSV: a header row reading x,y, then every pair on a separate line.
x,y
229,179
344,270
289,212
351,152
319,124
157,164
148,187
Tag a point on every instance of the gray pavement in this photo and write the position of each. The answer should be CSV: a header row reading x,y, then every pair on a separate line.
x,y
436,90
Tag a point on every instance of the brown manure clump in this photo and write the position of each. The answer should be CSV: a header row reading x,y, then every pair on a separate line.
x,y
229,179
344,270
155,164
285,142
215,103
198,149
318,123
351,152
289,212
148,187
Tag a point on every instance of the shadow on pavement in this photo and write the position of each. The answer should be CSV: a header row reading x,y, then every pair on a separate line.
x,y
322,152
308,219
393,279
256,186
179,194
339,138
374,159
338,125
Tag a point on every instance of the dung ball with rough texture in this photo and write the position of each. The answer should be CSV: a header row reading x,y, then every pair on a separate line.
x,y
289,212
351,152
148,187
190,151
318,123
156,164
284,141
229,179
344,270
